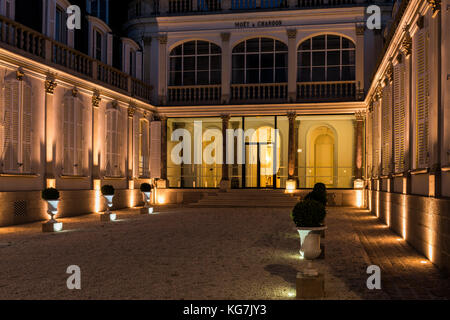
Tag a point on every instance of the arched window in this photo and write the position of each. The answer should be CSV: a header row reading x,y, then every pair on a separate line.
x,y
113,141
144,148
195,63
260,60
326,58
16,125
73,164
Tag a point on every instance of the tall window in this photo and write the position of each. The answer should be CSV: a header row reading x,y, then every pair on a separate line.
x,y
15,117
73,136
99,9
60,25
113,142
98,45
400,117
195,63
144,148
326,58
422,98
260,60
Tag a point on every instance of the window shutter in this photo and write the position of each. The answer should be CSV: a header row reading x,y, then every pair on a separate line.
x,y
399,117
79,141
68,136
11,138
155,149
109,143
386,130
422,99
136,151
26,128
144,151
119,145
375,133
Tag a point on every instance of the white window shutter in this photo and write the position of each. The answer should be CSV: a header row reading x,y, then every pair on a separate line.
x,y
386,111
375,136
109,114
26,128
11,137
69,152
422,100
79,144
399,118
136,151
155,149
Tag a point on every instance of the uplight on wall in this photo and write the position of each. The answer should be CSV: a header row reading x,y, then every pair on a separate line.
x,y
161,200
291,185
51,183
97,187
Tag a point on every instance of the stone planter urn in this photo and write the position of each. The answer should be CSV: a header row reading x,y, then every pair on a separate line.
x,y
108,215
147,209
52,225
310,247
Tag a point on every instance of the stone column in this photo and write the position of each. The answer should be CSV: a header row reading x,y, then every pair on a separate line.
x,y
359,144
291,145
226,67
130,144
225,183
164,148
96,152
360,31
147,42
292,65
50,129
162,73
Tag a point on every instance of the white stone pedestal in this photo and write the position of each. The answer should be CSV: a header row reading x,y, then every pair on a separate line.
x,y
52,226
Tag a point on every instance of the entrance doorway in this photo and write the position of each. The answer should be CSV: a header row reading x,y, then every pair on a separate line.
x,y
259,163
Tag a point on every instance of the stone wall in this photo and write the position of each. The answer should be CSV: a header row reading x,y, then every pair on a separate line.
x,y
423,221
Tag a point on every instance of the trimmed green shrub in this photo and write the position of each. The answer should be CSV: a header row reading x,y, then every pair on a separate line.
x,y
309,213
108,190
50,194
319,193
146,187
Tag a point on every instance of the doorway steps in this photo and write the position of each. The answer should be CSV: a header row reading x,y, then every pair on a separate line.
x,y
247,198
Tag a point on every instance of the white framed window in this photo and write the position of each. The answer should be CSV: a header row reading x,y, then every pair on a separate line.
x,y
74,119
144,148
113,141
98,45
16,123
61,25
260,60
326,58
195,63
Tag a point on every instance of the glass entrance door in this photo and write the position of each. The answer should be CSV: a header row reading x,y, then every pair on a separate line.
x,y
259,165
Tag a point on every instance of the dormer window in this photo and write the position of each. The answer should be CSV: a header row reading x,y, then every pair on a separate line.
x,y
98,45
60,25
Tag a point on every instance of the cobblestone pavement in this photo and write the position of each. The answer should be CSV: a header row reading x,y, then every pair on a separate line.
x,y
231,253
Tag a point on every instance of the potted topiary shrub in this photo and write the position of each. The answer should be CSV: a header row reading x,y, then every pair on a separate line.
x,y
146,190
309,216
51,196
319,193
108,193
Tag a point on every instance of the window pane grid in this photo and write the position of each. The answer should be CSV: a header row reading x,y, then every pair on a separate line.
x,y
326,58
195,63
259,61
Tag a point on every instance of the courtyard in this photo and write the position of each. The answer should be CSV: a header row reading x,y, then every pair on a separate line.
x,y
204,253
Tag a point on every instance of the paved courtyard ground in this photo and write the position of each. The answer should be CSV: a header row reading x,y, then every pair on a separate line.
x,y
233,253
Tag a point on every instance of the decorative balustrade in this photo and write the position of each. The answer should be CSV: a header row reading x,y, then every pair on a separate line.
x,y
209,94
141,90
25,39
180,6
72,59
267,92
323,3
111,76
326,91
21,37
